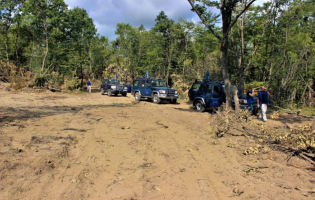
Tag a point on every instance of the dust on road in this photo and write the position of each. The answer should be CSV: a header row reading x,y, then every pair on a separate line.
x,y
88,146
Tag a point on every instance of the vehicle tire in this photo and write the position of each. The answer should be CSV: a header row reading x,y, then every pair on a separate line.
x,y
124,94
137,96
156,99
199,107
174,101
102,91
109,93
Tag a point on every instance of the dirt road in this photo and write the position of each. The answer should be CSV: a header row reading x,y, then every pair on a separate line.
x,y
88,146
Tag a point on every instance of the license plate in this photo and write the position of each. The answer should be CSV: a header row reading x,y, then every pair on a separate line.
x,y
175,95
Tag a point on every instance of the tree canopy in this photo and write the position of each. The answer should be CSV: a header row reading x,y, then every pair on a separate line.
x,y
272,44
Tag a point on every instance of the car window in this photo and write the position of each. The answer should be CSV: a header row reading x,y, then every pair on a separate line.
x,y
195,87
158,83
136,83
206,88
216,90
148,84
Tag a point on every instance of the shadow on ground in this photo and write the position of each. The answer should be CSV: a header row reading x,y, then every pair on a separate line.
x,y
24,113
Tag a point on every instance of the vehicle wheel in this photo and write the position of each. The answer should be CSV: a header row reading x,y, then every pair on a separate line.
x,y
102,91
174,101
109,93
124,94
137,96
199,107
156,99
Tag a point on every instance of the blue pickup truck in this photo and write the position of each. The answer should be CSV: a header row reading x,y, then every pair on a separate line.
x,y
153,89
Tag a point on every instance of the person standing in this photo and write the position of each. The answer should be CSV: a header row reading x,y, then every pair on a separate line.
x,y
250,99
262,102
89,85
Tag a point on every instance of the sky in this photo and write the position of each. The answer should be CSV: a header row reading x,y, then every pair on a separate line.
x,y
107,13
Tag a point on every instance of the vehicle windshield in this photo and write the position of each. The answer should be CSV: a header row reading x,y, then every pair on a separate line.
x,y
158,83
233,88
113,81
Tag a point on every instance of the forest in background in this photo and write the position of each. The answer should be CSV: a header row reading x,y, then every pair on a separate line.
x,y
44,43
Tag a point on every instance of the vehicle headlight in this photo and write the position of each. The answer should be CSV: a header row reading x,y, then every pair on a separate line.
x,y
113,87
176,92
126,88
162,91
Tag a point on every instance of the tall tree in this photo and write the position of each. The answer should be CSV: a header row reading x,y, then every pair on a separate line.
x,y
47,16
226,8
81,30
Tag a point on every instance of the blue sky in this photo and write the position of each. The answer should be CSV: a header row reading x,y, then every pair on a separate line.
x,y
107,13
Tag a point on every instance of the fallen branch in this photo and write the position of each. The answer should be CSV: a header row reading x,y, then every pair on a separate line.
x,y
301,167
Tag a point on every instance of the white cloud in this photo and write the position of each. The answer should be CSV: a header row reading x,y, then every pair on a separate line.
x,y
107,13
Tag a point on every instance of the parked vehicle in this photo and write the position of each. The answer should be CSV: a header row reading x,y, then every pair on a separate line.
x,y
128,85
153,89
211,94
113,87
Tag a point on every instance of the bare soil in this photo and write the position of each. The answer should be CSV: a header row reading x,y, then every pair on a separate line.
x,y
88,146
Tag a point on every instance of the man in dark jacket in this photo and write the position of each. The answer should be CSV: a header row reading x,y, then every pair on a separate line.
x,y
262,103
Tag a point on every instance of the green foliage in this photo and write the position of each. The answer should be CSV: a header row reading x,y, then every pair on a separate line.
x,y
59,47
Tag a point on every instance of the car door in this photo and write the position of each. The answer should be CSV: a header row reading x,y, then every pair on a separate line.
x,y
206,93
141,87
194,91
135,87
147,91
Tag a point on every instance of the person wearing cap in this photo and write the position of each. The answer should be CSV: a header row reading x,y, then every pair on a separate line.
x,y
263,102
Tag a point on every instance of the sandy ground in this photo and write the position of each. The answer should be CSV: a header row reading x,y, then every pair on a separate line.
x,y
88,146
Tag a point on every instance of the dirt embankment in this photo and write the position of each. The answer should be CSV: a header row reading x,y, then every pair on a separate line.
x,y
59,146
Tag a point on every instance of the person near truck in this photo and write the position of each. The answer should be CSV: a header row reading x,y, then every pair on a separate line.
x,y
89,85
263,102
250,100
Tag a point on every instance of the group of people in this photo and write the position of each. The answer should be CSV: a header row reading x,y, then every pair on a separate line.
x,y
262,101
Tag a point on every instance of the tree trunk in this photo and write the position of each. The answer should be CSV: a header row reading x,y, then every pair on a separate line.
x,y
225,71
169,61
46,52
236,102
241,61
16,44
90,55
7,44
32,55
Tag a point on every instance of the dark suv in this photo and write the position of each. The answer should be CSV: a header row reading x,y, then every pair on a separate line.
x,y
211,94
153,89
113,87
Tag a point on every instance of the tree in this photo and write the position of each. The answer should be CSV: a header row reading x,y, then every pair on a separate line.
x,y
80,31
8,8
226,8
47,16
